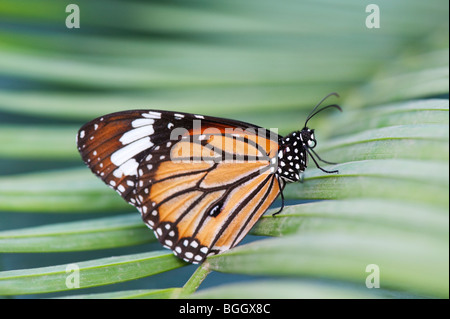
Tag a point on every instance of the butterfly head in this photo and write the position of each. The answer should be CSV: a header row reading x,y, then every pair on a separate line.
x,y
295,148
308,138
307,134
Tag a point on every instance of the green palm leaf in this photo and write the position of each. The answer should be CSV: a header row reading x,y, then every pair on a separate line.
x,y
258,61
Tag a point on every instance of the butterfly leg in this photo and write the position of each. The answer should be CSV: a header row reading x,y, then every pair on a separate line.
x,y
318,157
318,166
282,200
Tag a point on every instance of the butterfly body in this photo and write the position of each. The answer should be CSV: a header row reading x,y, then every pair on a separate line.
x,y
199,182
292,155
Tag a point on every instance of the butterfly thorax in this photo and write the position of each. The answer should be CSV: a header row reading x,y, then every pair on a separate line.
x,y
292,154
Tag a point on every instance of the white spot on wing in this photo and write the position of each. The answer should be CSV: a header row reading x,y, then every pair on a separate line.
x,y
136,134
194,244
128,168
125,153
152,115
142,122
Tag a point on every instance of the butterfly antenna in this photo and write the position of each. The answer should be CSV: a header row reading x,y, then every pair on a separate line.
x,y
314,112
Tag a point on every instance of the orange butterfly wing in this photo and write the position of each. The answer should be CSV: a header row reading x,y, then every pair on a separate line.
x,y
201,190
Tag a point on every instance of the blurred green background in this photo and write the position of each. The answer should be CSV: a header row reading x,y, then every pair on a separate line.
x,y
260,61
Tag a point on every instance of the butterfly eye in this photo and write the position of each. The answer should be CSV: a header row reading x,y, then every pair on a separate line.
x,y
312,142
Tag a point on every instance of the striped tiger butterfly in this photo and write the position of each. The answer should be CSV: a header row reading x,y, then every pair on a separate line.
x,y
199,182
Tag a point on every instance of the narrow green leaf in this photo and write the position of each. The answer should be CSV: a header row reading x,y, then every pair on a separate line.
x,y
91,273
52,143
72,190
223,100
196,75
384,179
194,282
421,141
410,262
430,111
109,232
401,82
293,289
131,294
356,213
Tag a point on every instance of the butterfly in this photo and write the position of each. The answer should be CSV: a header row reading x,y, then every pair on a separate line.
x,y
199,182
